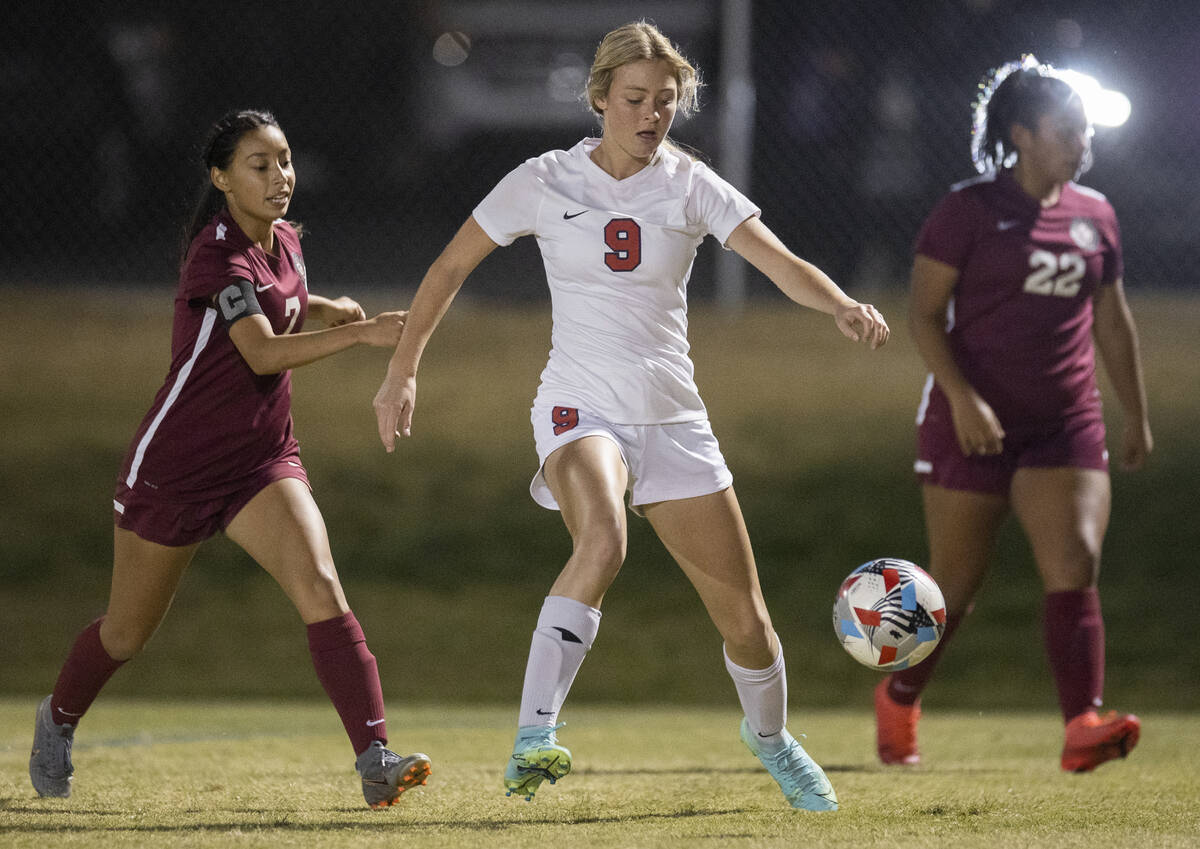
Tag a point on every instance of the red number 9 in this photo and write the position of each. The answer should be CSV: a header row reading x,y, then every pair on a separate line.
x,y
624,236
564,419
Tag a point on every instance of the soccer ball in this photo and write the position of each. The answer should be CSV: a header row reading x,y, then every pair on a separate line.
x,y
889,614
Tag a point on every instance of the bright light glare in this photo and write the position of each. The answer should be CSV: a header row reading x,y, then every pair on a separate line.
x,y
1103,106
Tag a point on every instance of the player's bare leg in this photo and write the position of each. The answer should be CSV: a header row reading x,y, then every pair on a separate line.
x,y
282,529
1065,513
145,577
961,527
588,479
707,537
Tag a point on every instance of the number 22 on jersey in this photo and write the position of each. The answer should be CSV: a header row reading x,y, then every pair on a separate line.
x,y
1054,274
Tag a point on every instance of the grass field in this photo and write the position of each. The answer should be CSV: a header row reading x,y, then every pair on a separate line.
x,y
270,774
817,431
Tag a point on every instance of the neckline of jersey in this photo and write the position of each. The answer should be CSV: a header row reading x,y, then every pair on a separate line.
x,y
587,148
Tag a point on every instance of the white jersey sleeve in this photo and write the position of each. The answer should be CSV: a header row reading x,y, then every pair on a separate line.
x,y
716,205
510,210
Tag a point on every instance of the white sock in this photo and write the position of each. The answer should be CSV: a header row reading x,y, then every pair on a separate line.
x,y
763,694
565,631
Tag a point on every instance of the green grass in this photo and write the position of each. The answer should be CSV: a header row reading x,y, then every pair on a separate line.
x,y
445,557
224,774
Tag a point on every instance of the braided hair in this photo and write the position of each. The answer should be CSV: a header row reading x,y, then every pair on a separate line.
x,y
1015,93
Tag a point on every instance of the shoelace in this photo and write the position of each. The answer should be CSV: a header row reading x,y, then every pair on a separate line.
x,y
805,777
67,733
386,759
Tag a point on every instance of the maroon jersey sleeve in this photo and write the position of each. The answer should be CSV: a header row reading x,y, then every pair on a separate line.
x,y
948,234
217,259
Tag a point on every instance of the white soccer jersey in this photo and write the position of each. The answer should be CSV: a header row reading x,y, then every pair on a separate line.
x,y
618,255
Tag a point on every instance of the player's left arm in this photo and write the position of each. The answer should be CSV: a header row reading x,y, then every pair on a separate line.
x,y
334,312
806,284
1117,340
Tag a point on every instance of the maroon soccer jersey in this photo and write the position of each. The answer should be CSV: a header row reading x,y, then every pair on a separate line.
x,y
215,422
1021,316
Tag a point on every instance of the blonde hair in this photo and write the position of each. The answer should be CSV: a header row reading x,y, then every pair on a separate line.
x,y
636,42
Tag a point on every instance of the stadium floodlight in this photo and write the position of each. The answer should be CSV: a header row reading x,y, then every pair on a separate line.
x,y
1105,107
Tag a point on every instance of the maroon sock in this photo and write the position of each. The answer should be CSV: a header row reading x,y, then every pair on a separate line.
x,y
905,686
349,674
1073,629
86,670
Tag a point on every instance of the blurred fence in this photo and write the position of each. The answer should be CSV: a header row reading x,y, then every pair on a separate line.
x,y
403,114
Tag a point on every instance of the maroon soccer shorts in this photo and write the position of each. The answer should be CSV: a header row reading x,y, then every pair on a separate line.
x,y
1076,441
177,523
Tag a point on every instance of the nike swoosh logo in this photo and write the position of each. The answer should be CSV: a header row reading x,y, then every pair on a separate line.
x,y
541,712
260,288
371,723
68,713
568,217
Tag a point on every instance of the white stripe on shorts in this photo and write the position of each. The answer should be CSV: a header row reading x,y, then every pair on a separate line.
x,y
923,407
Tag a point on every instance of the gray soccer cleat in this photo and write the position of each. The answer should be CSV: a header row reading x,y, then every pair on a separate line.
x,y
50,767
385,775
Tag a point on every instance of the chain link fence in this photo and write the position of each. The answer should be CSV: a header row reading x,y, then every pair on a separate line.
x,y
403,114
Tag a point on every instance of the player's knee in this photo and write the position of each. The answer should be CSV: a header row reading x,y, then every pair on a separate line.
x,y
1075,569
601,546
315,587
124,640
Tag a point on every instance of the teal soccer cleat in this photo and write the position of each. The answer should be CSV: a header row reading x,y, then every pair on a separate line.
x,y
803,783
536,757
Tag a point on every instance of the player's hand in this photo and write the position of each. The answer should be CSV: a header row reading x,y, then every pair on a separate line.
x,y
1136,445
862,323
976,426
383,331
394,404
342,310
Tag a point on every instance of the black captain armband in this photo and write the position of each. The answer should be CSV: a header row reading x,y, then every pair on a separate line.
x,y
237,300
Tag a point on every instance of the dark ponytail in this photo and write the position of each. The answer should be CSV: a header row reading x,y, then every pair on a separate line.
x,y
219,145
1015,93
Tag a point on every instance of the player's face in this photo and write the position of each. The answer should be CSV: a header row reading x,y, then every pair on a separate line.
x,y
639,108
1059,144
260,178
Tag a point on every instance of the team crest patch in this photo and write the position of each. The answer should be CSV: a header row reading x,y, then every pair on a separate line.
x,y
298,261
1085,234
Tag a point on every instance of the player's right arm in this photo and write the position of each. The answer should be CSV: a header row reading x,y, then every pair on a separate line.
x,y
267,352
396,398
931,287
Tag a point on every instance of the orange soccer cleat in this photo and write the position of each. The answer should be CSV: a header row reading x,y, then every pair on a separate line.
x,y
386,775
895,728
1092,739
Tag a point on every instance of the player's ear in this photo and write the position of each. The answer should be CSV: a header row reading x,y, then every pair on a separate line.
x,y
1020,135
219,179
